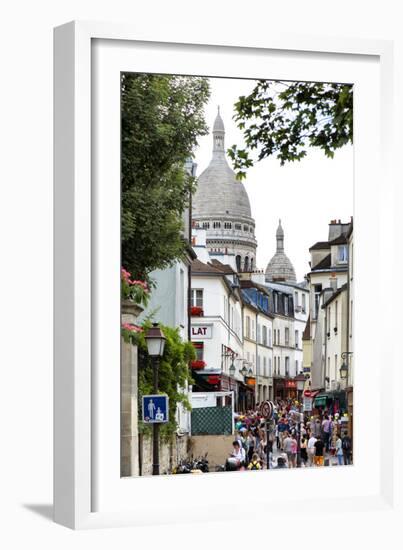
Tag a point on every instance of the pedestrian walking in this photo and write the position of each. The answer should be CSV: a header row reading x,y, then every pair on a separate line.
x,y
262,446
311,450
277,438
303,450
347,448
317,428
326,431
282,429
288,446
294,450
250,440
339,451
319,448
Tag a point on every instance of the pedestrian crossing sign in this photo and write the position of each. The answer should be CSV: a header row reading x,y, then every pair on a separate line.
x,y
155,409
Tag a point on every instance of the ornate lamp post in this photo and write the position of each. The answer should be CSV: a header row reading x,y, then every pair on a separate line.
x,y
344,367
155,345
232,370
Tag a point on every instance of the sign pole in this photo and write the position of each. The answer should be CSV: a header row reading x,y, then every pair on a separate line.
x,y
267,445
156,427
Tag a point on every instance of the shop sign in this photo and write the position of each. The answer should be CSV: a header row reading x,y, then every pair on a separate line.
x,y
251,381
202,331
307,403
290,384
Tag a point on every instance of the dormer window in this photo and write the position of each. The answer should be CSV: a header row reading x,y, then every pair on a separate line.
x,y
342,254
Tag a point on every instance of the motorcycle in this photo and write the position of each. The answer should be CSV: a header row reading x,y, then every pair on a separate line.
x,y
192,466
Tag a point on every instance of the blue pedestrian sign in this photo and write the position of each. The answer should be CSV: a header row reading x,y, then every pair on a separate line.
x,y
155,409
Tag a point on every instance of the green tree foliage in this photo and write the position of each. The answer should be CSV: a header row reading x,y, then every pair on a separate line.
x,y
283,119
162,119
173,374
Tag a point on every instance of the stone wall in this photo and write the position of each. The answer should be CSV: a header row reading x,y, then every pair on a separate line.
x,y
217,447
129,412
171,452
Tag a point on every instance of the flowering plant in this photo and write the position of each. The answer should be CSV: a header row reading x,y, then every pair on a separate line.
x,y
198,364
196,311
131,333
134,290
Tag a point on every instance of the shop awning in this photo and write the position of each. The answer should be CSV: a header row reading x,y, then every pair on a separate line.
x,y
320,401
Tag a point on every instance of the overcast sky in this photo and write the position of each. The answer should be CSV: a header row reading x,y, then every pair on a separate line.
x,y
306,195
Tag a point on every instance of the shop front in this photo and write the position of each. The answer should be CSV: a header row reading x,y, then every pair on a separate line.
x,y
349,394
246,392
291,389
331,402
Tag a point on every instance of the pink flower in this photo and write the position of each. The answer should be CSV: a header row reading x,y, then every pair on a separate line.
x,y
142,284
125,275
132,328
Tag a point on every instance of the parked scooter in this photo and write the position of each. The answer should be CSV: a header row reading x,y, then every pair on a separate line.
x,y
192,466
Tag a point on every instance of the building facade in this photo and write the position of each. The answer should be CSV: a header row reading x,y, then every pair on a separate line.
x,y
330,344
258,324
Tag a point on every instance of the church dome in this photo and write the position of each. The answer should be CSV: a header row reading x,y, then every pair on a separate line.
x,y
280,267
219,194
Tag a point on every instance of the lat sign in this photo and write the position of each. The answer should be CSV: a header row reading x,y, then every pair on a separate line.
x,y
202,331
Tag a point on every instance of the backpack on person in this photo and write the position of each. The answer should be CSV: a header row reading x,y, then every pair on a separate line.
x,y
255,465
346,444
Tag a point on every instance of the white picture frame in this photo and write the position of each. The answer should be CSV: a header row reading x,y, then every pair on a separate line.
x,y
88,490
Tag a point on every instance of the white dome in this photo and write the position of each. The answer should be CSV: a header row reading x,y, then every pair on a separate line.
x,y
280,267
219,193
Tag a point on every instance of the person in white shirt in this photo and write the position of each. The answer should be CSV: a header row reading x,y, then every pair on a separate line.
x,y
238,452
311,449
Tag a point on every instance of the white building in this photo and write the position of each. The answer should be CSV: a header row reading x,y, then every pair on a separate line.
x,y
258,337
217,333
330,313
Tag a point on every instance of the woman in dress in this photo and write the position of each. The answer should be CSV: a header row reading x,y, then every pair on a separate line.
x,y
304,452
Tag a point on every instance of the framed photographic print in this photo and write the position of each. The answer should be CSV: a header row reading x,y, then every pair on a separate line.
x,y
220,234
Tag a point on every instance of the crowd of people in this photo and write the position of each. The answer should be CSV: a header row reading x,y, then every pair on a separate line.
x,y
297,439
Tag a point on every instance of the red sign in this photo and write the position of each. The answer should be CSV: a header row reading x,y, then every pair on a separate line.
x,y
308,393
290,384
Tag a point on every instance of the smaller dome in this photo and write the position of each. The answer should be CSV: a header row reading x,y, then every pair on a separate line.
x,y
280,267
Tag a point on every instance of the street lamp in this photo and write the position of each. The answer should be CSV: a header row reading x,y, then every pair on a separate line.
x,y
232,370
244,371
155,345
344,367
343,371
